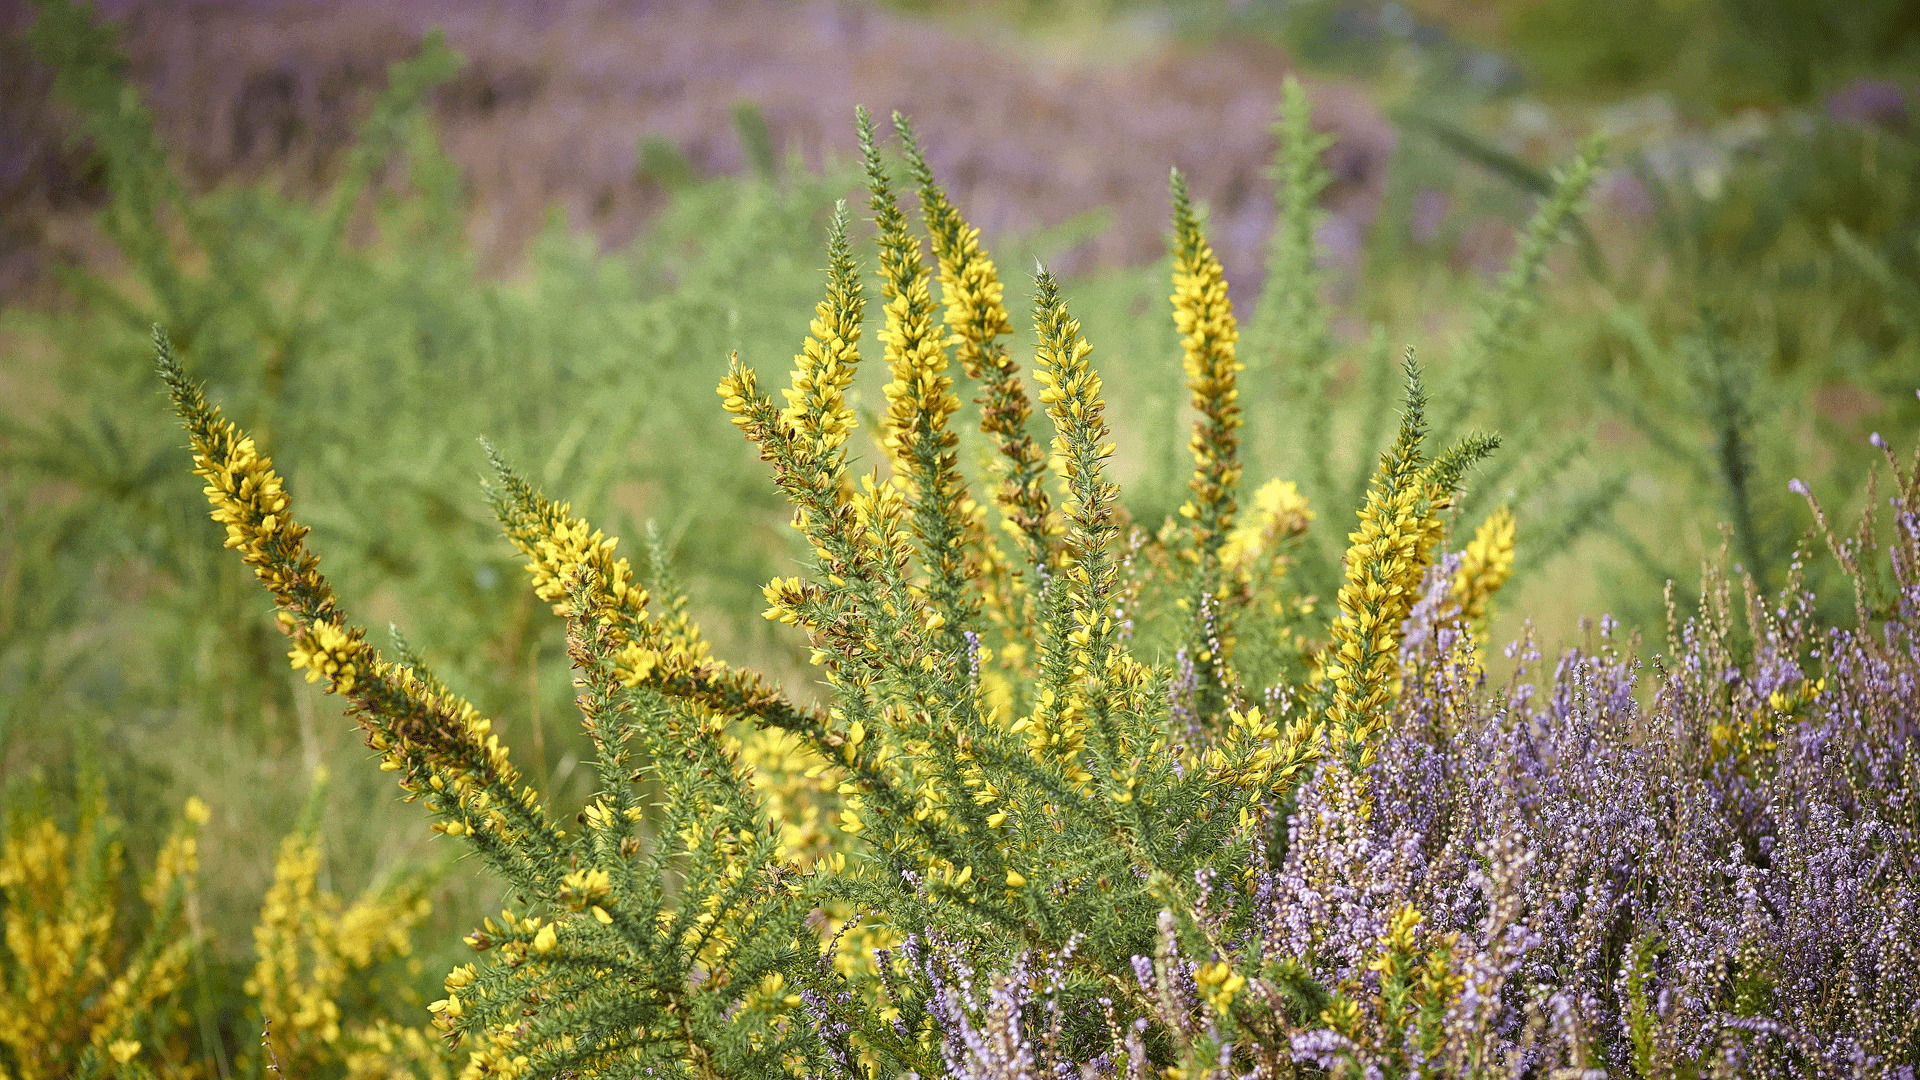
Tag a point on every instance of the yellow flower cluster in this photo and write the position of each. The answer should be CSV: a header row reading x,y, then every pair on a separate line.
x,y
1280,513
327,652
1754,734
385,1050
817,411
308,945
970,288
1255,752
788,775
451,755
1385,559
668,652
508,1050
920,399
247,497
1484,566
80,983
1219,983
74,983
1071,392
1399,529
567,547
1209,339
824,505
976,313
880,508
498,1054
422,730
1418,983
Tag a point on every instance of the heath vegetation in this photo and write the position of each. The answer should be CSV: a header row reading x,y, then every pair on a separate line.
x,y
955,759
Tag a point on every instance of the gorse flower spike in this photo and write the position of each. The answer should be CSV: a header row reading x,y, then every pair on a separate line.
x,y
977,315
439,744
1080,623
1399,528
543,1004
1485,565
82,998
920,401
1209,337
71,984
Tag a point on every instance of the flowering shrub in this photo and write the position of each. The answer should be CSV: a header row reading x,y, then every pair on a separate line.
x,y
72,985
1017,836
81,996
1723,879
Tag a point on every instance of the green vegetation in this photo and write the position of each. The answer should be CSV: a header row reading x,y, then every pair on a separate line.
x,y
1667,369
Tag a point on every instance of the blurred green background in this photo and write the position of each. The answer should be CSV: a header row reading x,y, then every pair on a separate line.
x,y
550,226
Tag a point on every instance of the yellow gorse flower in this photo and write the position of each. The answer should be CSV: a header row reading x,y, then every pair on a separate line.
x,y
1400,526
1259,753
1417,984
817,411
976,314
1384,563
1076,658
1219,984
1280,513
74,982
1209,339
439,744
309,944
920,400
328,652
77,983
1485,565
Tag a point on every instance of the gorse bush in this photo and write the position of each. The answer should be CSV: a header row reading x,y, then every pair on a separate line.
x,y
1005,762
1204,780
83,996
1083,798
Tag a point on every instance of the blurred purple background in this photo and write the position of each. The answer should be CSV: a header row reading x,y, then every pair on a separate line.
x,y
556,96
